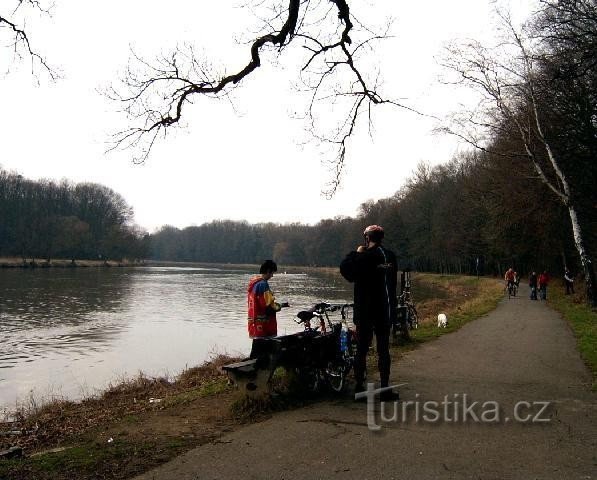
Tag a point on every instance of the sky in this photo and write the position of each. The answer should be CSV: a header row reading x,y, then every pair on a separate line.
x,y
250,162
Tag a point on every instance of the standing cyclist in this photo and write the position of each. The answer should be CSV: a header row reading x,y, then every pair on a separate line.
x,y
373,270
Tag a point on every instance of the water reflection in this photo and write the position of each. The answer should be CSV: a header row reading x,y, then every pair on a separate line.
x,y
44,312
72,331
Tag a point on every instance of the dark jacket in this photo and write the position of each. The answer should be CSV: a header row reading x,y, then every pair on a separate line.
x,y
375,275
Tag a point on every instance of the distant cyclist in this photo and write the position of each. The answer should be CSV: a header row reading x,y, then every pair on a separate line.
x,y
510,278
543,281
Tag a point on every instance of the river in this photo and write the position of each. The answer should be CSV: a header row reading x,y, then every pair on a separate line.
x,y
71,332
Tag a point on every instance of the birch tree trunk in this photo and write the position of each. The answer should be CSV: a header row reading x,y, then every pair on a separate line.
x,y
585,259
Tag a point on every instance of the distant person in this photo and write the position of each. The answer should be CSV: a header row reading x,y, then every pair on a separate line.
x,y
569,281
533,285
261,304
516,279
373,269
543,282
509,278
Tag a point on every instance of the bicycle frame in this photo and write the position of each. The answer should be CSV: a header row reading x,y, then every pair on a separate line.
x,y
331,363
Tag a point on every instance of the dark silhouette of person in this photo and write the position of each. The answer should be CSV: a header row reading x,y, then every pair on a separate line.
x,y
374,271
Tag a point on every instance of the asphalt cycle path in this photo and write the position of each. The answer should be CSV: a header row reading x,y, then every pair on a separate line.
x,y
505,397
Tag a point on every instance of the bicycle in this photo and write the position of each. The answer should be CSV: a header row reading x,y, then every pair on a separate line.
x,y
407,317
511,287
319,356
337,358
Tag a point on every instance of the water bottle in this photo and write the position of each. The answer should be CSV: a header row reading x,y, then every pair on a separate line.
x,y
344,338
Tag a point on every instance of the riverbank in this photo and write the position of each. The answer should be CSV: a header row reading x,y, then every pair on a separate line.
x,y
17,262
292,269
144,422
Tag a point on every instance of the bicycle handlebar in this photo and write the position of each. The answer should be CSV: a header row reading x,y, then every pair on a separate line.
x,y
319,309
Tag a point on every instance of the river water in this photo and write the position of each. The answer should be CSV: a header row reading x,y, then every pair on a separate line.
x,y
71,332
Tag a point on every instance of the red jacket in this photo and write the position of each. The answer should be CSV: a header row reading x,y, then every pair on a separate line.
x,y
261,308
543,279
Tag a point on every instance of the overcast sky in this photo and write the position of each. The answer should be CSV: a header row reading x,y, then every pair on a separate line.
x,y
251,163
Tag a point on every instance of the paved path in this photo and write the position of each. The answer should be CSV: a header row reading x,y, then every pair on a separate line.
x,y
522,351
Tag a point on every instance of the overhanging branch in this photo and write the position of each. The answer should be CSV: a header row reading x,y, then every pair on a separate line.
x,y
155,98
19,40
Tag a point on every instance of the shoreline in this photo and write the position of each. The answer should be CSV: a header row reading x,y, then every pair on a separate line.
x,y
16,262
35,263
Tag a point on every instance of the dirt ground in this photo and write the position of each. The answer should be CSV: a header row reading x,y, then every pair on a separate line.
x,y
512,362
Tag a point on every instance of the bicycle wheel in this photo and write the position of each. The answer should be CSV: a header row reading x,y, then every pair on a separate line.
x,y
335,375
413,317
337,369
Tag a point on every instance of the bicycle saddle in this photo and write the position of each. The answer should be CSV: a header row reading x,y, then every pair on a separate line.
x,y
305,315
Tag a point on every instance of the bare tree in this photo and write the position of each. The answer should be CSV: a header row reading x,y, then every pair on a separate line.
x,y
508,78
15,36
154,94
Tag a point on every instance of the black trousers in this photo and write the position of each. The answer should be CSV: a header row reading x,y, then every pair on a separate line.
x,y
365,331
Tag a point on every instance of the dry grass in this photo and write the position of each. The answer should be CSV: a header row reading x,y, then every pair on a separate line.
x,y
48,424
458,294
461,298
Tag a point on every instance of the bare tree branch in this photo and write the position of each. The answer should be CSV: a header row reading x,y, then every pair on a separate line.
x,y
154,99
18,38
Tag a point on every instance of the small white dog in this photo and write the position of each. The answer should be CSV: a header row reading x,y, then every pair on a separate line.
x,y
442,320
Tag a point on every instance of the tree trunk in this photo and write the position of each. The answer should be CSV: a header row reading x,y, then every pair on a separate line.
x,y
585,259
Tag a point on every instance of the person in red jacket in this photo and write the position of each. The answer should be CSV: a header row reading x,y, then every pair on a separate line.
x,y
510,277
261,304
543,281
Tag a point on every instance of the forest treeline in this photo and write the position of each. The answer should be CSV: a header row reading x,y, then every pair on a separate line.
x,y
445,219
47,219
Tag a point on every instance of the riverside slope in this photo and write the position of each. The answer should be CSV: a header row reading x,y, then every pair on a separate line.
x,y
522,351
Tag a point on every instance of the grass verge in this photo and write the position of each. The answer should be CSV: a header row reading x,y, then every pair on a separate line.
x,y
583,321
464,299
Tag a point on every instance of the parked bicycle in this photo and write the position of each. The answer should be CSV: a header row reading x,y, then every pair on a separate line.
x,y
407,317
321,356
336,358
